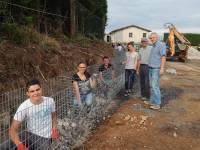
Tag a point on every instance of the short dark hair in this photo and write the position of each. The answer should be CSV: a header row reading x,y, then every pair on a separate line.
x,y
82,63
32,82
105,57
130,43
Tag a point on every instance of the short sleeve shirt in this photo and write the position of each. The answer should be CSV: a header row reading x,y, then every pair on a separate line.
x,y
132,58
38,117
144,54
84,85
106,72
158,50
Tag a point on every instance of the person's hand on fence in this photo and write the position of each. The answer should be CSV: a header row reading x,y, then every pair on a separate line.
x,y
21,146
80,103
94,76
124,62
55,134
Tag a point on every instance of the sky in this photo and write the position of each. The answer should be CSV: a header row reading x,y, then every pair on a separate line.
x,y
153,14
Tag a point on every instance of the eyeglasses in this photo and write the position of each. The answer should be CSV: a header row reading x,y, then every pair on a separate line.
x,y
152,37
82,67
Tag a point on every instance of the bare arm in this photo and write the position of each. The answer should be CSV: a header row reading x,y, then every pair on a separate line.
x,y
124,62
13,132
138,66
76,89
136,63
93,83
54,120
55,133
163,61
100,76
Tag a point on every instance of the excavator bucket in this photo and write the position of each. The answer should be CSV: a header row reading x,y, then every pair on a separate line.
x,y
182,45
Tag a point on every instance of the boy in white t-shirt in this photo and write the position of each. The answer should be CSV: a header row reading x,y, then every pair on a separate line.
x,y
40,116
131,65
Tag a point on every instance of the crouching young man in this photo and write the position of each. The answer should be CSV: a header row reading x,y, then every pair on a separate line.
x,y
40,116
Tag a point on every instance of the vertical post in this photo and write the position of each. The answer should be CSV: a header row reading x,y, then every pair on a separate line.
x,y
72,18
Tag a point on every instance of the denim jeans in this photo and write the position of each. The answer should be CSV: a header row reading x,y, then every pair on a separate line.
x,y
129,78
85,99
154,78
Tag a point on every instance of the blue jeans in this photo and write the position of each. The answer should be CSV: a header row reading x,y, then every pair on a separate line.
x,y
154,78
85,99
129,78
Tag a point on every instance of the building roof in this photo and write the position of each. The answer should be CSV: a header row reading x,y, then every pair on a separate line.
x,y
129,27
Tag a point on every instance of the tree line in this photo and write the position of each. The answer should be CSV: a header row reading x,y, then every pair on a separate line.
x,y
71,17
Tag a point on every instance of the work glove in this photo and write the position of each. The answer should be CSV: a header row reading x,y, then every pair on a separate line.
x,y
55,134
21,146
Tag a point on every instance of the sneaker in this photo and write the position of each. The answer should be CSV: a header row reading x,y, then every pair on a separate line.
x,y
126,94
147,102
129,91
144,98
156,107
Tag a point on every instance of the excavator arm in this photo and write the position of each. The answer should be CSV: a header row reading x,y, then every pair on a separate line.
x,y
183,45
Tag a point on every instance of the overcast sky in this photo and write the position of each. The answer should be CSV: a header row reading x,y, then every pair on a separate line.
x,y
153,14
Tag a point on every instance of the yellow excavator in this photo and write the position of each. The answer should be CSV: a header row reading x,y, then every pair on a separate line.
x,y
177,44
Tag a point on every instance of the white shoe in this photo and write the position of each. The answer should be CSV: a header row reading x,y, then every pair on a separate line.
x,y
126,94
144,98
155,107
147,102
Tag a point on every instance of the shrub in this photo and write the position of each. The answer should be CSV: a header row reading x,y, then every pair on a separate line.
x,y
25,35
13,33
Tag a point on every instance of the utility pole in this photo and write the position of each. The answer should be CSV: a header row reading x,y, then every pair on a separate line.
x,y
72,18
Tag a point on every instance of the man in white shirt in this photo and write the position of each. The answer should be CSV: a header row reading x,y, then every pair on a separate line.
x,y
131,63
40,116
144,53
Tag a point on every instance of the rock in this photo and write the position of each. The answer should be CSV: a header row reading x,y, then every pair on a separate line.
x,y
128,117
144,118
132,119
193,53
73,125
171,71
118,123
175,135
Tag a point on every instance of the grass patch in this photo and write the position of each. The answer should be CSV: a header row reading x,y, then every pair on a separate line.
x,y
26,36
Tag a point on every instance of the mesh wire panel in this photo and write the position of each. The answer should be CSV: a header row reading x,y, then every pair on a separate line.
x,y
75,122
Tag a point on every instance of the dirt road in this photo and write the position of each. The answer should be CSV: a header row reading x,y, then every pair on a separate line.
x,y
175,127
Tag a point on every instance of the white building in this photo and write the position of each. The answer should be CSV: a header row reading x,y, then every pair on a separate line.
x,y
127,34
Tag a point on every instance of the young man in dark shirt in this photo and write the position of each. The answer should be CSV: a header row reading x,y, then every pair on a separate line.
x,y
106,74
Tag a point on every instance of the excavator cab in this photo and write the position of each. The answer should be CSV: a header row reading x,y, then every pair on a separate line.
x,y
177,44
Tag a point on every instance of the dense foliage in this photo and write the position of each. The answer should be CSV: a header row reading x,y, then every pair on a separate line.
x,y
90,16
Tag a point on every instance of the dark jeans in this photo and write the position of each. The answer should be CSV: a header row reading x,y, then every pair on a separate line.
x,y
129,78
144,81
32,142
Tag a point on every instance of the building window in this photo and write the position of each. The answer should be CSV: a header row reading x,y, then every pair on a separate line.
x,y
144,34
130,34
108,38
